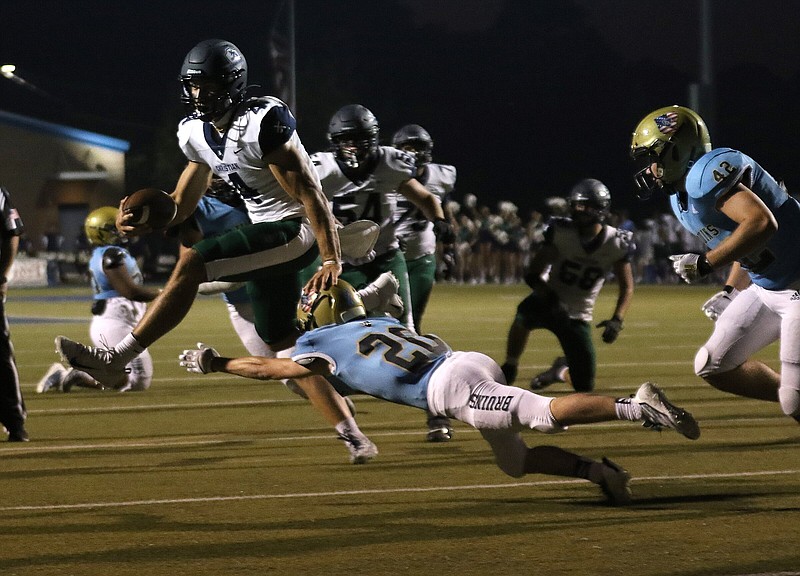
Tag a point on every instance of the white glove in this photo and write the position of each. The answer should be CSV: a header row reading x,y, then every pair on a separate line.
x,y
380,296
714,306
690,267
198,361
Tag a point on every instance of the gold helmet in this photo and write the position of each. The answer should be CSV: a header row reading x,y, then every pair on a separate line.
x,y
100,227
335,305
672,138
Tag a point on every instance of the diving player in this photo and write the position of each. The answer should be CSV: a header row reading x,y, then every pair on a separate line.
x,y
383,358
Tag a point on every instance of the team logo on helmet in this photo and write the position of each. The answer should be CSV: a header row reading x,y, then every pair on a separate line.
x,y
667,123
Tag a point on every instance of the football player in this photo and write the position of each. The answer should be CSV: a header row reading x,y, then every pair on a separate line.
x,y
414,231
364,180
118,303
383,358
12,404
252,144
566,275
748,222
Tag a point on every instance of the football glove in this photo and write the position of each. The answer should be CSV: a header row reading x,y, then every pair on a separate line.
x,y
198,361
613,326
714,306
443,231
690,267
448,263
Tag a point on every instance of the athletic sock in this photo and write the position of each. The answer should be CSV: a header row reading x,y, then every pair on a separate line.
x,y
627,410
128,349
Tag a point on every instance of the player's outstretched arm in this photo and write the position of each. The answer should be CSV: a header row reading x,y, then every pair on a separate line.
x,y
205,360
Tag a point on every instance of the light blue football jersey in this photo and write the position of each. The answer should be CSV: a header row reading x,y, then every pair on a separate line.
x,y
774,266
101,286
376,356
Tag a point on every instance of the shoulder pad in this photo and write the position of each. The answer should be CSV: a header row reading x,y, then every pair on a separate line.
x,y
716,172
113,257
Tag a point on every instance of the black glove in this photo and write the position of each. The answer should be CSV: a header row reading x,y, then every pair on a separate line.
x,y
449,263
613,327
443,231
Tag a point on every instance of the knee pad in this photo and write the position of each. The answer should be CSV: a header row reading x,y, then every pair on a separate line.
x,y
702,365
790,401
789,392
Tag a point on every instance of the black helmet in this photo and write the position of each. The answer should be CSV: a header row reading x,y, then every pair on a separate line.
x,y
219,70
415,139
594,198
353,133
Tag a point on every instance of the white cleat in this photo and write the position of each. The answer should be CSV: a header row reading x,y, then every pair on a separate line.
x,y
52,379
616,483
361,450
97,362
658,412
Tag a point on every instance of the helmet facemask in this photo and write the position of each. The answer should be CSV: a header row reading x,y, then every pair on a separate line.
x,y
421,150
204,99
354,148
590,202
414,139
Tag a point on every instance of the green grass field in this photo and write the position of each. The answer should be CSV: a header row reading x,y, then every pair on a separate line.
x,y
221,475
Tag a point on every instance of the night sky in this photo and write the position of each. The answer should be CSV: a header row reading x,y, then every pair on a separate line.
x,y
524,97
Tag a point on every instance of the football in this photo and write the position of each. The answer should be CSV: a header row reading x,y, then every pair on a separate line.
x,y
150,207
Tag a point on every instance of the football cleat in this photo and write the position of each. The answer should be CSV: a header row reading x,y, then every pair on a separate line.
x,y
362,450
615,483
99,363
551,375
17,434
439,429
52,379
659,413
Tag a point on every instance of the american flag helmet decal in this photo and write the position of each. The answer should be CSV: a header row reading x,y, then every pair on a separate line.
x,y
667,123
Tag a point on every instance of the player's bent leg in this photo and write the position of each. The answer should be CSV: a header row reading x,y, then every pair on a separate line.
x,y
789,391
611,477
750,379
509,450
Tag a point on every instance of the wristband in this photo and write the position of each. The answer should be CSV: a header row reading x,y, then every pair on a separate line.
x,y
331,262
704,267
728,288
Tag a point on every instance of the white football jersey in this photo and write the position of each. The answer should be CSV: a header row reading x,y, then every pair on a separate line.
x,y
413,228
580,270
371,199
236,156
